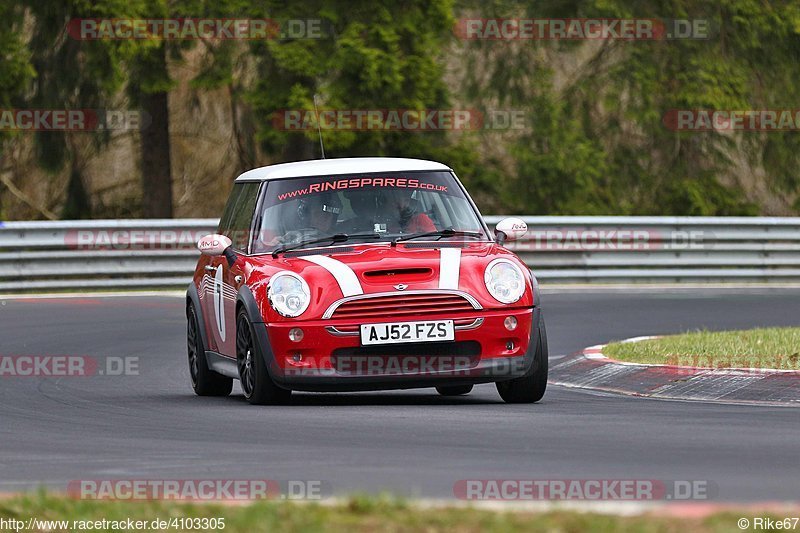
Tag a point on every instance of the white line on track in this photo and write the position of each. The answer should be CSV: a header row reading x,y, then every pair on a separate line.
x,y
166,294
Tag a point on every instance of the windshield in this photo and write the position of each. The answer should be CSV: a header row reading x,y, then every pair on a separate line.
x,y
379,206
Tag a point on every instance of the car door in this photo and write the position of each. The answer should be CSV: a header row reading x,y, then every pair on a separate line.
x,y
220,305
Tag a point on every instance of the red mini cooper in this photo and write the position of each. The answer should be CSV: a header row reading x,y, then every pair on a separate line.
x,y
362,274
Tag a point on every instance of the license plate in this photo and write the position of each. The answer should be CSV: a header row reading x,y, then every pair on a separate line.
x,y
400,332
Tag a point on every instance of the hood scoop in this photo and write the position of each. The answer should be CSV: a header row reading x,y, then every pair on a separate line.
x,y
398,274
437,244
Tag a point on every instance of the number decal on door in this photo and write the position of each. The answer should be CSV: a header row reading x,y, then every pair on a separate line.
x,y
219,307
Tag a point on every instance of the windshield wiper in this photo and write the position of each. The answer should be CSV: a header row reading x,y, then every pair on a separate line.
x,y
333,239
449,232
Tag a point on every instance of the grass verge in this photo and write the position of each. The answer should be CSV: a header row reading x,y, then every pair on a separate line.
x,y
357,514
752,348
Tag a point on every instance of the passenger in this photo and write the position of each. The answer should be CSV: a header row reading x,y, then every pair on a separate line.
x,y
407,218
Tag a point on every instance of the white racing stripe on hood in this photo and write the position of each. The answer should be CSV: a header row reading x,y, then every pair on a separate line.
x,y
345,277
449,268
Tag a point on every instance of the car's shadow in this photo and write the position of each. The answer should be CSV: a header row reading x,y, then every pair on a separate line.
x,y
384,398
319,399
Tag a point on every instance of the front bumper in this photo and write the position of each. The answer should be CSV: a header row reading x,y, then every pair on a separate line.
x,y
326,361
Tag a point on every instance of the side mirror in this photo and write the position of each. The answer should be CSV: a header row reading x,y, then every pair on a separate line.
x,y
217,245
510,229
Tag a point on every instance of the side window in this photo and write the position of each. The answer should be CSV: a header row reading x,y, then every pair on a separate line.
x,y
238,215
230,209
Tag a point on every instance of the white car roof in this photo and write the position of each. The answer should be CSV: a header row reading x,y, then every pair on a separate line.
x,y
345,165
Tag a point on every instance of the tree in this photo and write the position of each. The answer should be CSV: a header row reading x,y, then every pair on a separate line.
x,y
597,142
149,86
369,57
71,74
15,68
15,73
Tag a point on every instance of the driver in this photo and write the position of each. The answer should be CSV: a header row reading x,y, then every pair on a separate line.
x,y
318,213
321,212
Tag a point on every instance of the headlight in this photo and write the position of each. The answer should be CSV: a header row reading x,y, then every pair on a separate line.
x,y
288,294
504,280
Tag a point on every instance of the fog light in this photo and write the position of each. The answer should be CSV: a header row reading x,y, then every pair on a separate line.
x,y
295,334
297,357
510,323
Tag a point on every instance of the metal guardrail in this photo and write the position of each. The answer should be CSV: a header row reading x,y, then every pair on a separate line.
x,y
101,254
661,249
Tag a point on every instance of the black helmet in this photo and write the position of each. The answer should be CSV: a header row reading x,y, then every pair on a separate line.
x,y
326,202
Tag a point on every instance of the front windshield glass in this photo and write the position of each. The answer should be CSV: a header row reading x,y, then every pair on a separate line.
x,y
390,204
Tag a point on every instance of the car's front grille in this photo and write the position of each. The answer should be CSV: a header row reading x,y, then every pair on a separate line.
x,y
402,305
459,324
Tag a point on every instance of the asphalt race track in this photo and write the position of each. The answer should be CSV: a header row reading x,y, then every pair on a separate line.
x,y
416,443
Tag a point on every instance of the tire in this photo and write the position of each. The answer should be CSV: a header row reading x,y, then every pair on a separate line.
x,y
205,381
257,385
531,387
454,390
